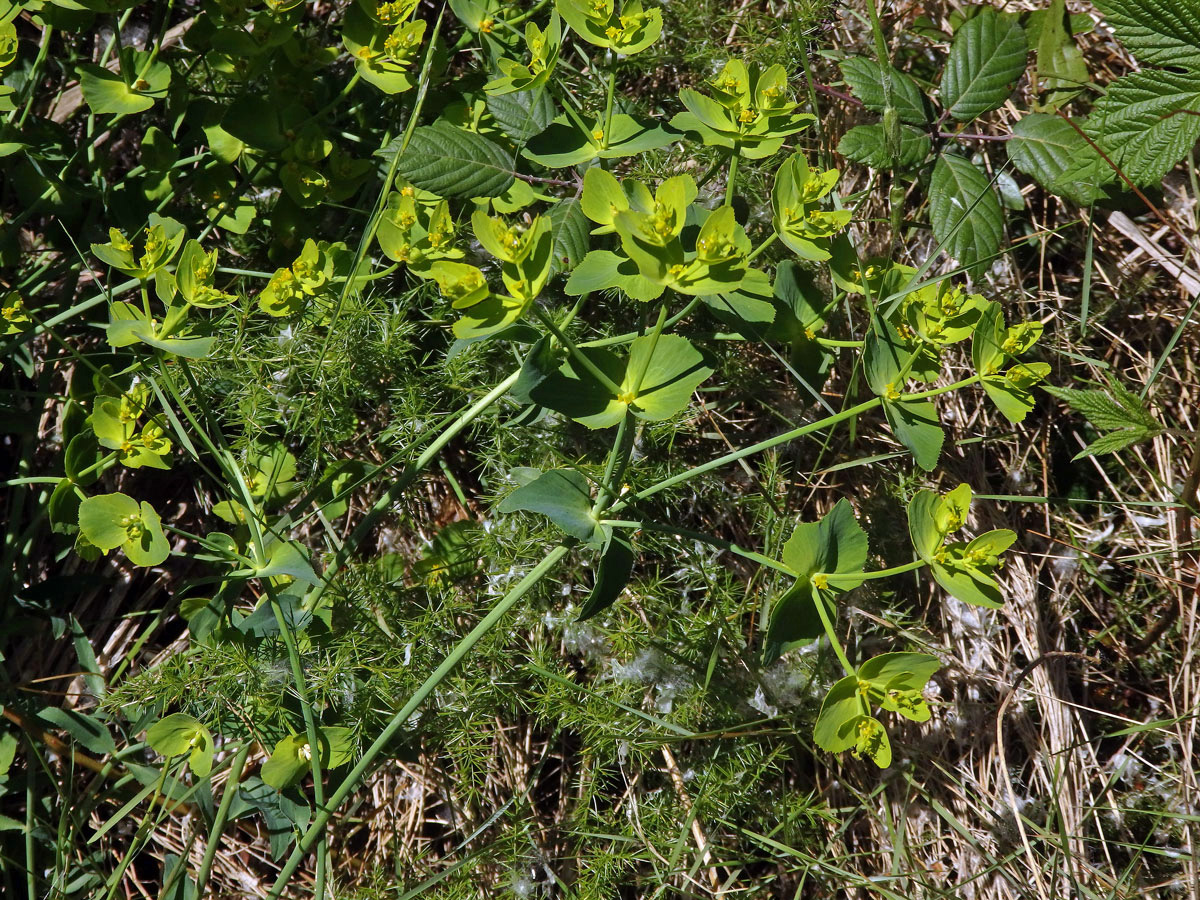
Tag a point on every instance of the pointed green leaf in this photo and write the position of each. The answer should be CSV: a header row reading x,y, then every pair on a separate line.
x,y
867,144
522,114
451,162
612,574
864,77
1049,149
1158,32
986,60
964,210
1146,122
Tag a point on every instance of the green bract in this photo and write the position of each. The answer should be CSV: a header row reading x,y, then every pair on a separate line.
x,y
288,290
893,681
964,569
597,21
140,82
751,112
828,558
158,245
799,219
110,521
179,734
993,345
543,49
654,382
416,228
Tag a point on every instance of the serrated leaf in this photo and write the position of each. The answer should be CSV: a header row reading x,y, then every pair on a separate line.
x,y
569,228
986,60
522,114
964,211
1049,149
562,496
1159,32
865,79
1114,441
1103,411
450,162
1146,122
867,144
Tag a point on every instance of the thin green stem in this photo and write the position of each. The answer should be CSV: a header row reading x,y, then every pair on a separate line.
x,y
856,577
310,727
576,353
655,334
783,438
733,167
632,335
364,765
772,238
831,633
608,104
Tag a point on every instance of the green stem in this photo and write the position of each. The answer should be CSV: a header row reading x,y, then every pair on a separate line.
x,y
576,353
763,246
632,335
767,444
733,167
407,477
310,727
608,487
856,577
608,105
787,436
356,775
831,633
654,336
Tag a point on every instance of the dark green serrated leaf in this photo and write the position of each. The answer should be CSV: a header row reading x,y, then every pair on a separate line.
x,y
569,228
1146,122
1103,411
450,162
1159,32
867,144
865,80
1114,441
986,60
964,211
522,114
1049,149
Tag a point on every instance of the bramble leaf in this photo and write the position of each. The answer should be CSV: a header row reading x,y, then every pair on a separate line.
x,y
964,210
1157,32
865,79
986,60
1049,149
451,162
1147,121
